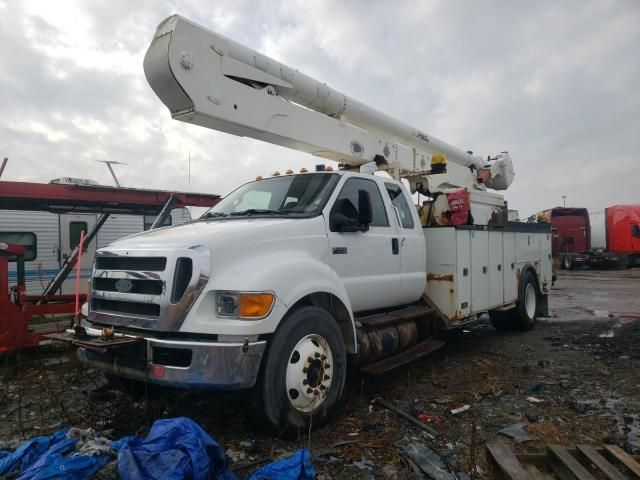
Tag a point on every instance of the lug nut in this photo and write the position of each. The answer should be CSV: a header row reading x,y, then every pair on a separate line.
x,y
305,381
322,387
323,357
309,390
316,392
326,377
327,366
305,370
317,355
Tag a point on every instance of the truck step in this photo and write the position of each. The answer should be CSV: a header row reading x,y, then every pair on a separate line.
x,y
417,351
397,316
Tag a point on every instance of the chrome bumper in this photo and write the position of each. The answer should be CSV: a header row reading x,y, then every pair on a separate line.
x,y
214,365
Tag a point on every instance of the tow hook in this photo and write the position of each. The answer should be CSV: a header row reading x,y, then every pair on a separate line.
x,y
245,346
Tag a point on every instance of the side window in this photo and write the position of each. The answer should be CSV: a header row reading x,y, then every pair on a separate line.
x,y
400,202
74,233
149,219
350,193
26,239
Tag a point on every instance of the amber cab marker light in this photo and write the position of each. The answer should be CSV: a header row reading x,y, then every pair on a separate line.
x,y
255,305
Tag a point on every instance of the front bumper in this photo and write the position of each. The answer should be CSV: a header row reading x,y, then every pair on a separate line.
x,y
177,363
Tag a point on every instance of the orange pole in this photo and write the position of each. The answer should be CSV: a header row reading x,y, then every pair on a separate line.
x,y
78,266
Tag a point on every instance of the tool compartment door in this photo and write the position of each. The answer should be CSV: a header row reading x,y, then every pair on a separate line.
x,y
479,270
496,281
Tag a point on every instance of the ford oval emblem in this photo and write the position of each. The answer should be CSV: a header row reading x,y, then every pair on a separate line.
x,y
124,285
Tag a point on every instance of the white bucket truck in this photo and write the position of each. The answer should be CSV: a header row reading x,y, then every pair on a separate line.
x,y
277,285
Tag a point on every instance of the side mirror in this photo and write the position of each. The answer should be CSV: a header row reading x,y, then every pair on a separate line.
x,y
345,217
365,214
635,230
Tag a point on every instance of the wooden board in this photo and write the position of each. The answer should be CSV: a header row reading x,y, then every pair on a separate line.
x,y
586,462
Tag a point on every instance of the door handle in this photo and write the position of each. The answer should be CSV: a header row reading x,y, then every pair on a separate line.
x,y
395,246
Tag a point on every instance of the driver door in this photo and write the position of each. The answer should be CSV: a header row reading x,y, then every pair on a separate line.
x,y
367,263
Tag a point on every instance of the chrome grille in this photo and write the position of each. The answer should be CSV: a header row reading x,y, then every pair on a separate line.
x,y
147,264
144,291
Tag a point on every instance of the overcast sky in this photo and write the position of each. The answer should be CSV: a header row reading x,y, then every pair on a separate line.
x,y
556,83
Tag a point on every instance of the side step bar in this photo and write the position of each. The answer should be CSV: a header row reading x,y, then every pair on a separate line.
x,y
397,316
417,351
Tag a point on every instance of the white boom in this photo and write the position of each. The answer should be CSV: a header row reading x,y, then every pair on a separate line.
x,y
212,81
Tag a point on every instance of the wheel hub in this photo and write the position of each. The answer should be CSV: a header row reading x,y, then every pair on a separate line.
x,y
309,373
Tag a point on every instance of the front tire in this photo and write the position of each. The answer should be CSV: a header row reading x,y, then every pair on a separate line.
x,y
304,374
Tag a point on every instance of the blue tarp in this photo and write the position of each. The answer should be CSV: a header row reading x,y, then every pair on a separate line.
x,y
296,467
43,458
175,449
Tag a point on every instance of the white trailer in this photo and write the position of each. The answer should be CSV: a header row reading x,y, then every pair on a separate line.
x,y
51,237
277,284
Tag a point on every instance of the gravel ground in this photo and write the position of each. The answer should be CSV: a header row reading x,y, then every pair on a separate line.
x,y
574,379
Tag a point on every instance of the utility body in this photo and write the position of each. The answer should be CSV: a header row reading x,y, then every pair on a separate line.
x,y
288,276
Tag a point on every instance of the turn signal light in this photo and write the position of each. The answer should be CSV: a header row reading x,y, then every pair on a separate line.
x,y
255,305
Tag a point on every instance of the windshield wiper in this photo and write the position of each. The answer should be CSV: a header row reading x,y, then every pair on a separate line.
x,y
259,211
213,215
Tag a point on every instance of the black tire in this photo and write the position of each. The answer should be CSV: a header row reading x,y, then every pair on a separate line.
x,y
523,317
502,319
273,404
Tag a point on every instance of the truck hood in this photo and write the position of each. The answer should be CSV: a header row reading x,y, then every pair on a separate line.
x,y
208,232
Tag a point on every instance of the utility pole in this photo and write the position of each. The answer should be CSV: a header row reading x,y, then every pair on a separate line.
x,y
564,200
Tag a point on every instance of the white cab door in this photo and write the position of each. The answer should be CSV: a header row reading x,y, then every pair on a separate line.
x,y
411,244
70,227
367,263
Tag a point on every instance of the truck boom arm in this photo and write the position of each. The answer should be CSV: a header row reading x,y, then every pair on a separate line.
x,y
212,81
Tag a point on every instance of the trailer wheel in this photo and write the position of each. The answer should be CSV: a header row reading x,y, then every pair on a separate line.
x,y
304,374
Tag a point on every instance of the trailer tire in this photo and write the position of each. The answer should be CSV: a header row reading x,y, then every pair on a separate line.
x,y
303,376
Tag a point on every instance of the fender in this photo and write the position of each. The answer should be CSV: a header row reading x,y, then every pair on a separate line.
x,y
289,275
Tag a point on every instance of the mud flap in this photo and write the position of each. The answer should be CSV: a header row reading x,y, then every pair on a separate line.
x,y
542,308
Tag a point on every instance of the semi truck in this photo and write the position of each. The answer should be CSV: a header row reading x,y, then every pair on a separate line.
x,y
604,239
293,276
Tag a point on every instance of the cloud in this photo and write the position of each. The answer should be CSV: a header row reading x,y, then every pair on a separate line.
x,y
553,83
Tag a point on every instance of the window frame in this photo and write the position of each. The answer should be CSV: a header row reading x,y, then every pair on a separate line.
x,y
377,188
407,204
13,258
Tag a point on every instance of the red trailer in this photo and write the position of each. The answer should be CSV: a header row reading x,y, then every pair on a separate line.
x,y
573,236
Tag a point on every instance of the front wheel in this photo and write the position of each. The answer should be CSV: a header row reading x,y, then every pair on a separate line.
x,y
304,374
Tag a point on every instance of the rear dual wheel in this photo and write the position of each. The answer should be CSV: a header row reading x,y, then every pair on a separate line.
x,y
523,316
303,377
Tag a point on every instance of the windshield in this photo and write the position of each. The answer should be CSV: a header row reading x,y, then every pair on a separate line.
x,y
286,195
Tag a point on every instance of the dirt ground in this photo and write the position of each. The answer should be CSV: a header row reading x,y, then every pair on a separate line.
x,y
574,379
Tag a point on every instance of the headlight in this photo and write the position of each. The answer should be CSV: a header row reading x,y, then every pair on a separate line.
x,y
249,305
